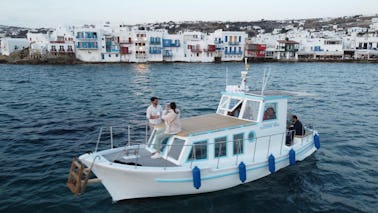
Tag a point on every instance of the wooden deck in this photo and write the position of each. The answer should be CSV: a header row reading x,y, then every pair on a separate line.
x,y
210,122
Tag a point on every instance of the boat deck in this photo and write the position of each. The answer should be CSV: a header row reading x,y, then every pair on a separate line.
x,y
208,123
140,157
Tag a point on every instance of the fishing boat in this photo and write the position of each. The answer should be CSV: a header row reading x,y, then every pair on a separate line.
x,y
237,144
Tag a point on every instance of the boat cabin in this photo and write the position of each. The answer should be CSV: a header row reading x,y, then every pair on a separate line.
x,y
246,126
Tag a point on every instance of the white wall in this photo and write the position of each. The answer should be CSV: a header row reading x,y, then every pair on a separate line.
x,y
9,45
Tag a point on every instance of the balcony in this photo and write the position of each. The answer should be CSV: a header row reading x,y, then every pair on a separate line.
x,y
57,42
233,53
87,45
155,43
170,43
168,54
210,48
233,43
196,50
155,52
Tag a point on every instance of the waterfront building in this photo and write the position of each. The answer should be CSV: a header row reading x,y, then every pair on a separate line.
x,y
366,46
234,42
10,45
172,47
254,50
110,51
140,45
87,44
61,42
155,45
38,43
286,49
125,37
195,47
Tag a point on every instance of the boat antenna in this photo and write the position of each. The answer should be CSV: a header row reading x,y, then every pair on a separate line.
x,y
244,74
265,80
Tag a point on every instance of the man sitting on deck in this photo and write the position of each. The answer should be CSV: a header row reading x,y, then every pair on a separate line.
x,y
297,126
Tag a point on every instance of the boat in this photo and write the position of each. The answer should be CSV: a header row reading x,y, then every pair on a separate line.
x,y
235,145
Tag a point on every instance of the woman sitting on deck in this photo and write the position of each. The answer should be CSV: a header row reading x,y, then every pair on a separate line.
x,y
171,117
172,120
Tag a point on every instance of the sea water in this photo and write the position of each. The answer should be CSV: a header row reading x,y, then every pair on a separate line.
x,y
50,114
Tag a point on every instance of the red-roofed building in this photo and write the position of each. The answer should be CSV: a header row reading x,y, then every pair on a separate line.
x,y
287,49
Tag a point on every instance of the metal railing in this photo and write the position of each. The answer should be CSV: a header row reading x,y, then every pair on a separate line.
x,y
140,136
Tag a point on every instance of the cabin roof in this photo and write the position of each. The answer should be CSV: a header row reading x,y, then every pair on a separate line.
x,y
210,123
270,94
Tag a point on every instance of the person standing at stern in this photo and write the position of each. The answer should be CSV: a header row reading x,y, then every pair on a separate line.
x,y
154,112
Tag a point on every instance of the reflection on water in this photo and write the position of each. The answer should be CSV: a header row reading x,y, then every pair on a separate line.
x,y
142,68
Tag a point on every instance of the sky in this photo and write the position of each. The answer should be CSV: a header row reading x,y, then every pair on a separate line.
x,y
52,13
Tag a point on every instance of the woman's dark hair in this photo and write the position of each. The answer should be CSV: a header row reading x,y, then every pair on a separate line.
x,y
173,106
153,98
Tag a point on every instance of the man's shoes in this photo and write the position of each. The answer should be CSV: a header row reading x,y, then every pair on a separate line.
x,y
156,155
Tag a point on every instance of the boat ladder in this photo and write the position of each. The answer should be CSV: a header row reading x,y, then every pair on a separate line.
x,y
79,177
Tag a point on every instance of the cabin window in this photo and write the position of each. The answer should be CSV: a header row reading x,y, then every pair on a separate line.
x,y
228,104
238,143
251,110
198,151
220,147
176,148
270,111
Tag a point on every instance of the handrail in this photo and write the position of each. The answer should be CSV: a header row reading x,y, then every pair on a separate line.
x,y
98,139
128,133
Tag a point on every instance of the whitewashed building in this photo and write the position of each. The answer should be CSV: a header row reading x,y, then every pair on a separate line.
x,y
61,42
125,37
140,44
155,45
172,47
194,46
38,43
87,44
233,45
10,45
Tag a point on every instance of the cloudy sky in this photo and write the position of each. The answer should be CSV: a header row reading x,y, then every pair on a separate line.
x,y
51,13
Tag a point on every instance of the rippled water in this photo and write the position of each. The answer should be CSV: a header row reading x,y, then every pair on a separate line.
x,y
49,114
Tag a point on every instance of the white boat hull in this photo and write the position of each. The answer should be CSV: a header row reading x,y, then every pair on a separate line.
x,y
129,182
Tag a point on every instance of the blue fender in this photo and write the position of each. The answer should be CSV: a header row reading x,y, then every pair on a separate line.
x,y
196,177
317,141
292,157
242,172
272,164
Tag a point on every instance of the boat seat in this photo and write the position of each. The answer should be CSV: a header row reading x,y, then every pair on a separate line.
x,y
305,135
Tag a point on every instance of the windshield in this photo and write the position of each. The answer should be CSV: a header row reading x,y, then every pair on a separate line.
x,y
228,104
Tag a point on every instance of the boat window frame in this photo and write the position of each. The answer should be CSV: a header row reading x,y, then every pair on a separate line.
x,y
257,110
222,142
172,144
265,108
224,110
188,159
234,142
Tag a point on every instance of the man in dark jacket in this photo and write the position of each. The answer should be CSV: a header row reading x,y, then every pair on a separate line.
x,y
297,126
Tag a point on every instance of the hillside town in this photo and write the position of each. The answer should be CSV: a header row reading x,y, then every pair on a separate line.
x,y
292,40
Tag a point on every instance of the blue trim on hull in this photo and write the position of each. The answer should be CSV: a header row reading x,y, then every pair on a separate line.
x,y
263,165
